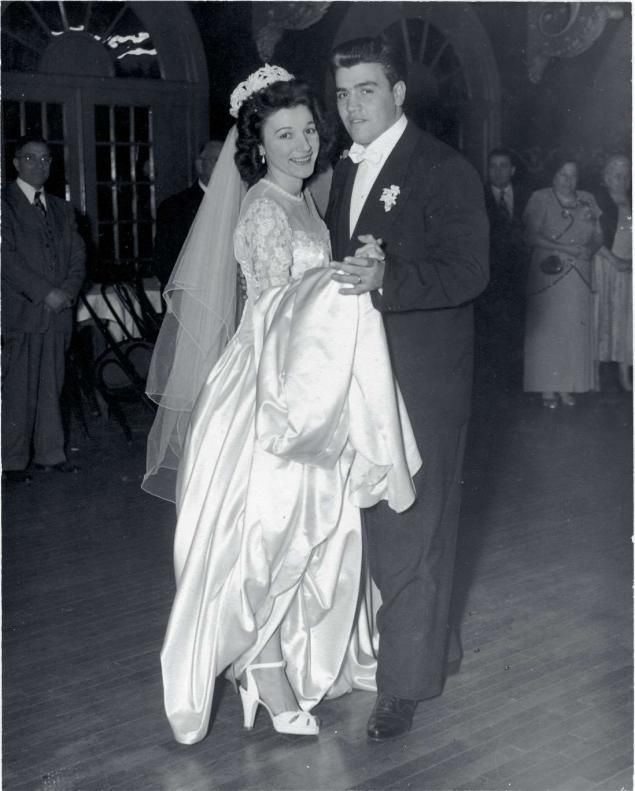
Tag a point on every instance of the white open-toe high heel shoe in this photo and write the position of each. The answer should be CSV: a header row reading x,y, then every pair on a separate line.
x,y
297,722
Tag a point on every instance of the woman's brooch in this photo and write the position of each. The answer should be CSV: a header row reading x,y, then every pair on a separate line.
x,y
389,196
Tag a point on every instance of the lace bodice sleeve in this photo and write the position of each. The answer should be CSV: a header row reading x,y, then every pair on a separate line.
x,y
263,245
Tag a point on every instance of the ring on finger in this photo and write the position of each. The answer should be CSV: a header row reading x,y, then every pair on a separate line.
x,y
359,280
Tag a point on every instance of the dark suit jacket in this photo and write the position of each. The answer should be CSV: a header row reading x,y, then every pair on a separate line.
x,y
175,215
436,245
31,268
508,251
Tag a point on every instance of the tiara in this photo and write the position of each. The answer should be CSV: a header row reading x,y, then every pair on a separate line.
x,y
263,78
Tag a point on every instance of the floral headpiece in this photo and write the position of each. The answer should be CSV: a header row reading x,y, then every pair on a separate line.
x,y
263,78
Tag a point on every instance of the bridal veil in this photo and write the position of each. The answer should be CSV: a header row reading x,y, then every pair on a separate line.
x,y
199,321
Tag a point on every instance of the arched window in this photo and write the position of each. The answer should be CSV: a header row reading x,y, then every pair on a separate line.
x,y
119,89
104,39
437,92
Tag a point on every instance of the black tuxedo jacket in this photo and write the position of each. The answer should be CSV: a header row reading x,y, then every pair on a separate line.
x,y
31,268
175,215
436,244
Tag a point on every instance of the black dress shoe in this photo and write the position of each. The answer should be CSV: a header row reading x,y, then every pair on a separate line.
x,y
16,476
390,717
61,466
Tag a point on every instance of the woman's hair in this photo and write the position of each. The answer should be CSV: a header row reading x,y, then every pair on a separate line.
x,y
254,112
371,50
558,160
615,159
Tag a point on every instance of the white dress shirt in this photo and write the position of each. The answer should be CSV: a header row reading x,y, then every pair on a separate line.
x,y
367,172
30,191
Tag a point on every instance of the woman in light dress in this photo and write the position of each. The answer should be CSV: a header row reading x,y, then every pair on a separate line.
x,y
614,270
278,442
562,228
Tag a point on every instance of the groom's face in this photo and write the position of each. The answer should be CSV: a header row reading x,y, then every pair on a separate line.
x,y
366,102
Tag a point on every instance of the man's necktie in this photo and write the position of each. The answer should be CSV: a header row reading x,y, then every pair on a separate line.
x,y
37,202
502,205
359,154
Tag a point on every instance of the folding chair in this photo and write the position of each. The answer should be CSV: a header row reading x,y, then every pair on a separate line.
x,y
121,369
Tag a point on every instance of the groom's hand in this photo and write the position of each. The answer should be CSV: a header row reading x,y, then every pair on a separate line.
x,y
364,271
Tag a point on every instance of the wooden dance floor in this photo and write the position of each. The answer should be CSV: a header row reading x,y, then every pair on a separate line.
x,y
543,699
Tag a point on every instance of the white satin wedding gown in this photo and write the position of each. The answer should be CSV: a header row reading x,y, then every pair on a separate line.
x,y
297,426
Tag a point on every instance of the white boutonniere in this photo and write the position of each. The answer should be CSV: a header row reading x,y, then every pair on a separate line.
x,y
389,196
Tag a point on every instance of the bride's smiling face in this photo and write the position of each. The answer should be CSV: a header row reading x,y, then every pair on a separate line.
x,y
290,143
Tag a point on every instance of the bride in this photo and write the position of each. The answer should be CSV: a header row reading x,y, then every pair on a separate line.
x,y
270,447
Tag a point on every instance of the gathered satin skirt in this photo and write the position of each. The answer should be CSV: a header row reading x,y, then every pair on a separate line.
x,y
298,425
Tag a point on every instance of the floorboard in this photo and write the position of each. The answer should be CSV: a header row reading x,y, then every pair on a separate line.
x,y
543,699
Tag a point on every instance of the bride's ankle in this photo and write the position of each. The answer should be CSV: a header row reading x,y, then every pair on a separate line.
x,y
274,689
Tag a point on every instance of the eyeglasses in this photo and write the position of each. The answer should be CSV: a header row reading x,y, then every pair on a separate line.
x,y
30,158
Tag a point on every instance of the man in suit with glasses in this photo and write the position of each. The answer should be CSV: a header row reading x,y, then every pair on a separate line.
x,y
43,268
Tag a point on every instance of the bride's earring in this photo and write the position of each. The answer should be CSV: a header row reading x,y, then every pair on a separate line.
x,y
262,157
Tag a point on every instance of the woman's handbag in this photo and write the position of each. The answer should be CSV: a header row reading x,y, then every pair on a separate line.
x,y
551,265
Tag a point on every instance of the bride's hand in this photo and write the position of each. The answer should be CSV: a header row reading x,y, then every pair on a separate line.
x,y
361,274
372,248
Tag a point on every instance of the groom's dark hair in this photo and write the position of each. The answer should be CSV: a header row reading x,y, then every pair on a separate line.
x,y
371,50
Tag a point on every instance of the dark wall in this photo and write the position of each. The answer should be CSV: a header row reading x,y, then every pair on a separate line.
x,y
506,24
225,29
582,103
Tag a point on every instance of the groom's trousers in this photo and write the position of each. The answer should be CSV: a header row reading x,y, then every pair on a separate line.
x,y
411,558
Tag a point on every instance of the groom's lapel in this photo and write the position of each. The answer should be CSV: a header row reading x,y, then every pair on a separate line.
x,y
339,223
396,173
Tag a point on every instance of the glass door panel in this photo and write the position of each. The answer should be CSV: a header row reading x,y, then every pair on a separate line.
x,y
106,144
126,203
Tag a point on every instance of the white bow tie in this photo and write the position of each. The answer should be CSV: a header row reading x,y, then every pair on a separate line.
x,y
358,154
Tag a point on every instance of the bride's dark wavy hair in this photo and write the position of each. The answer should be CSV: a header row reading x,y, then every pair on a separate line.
x,y
257,108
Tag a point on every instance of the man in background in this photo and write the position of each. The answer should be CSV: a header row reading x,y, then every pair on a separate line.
x,y
176,214
500,309
43,268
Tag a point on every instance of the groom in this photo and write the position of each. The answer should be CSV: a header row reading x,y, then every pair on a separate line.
x,y
423,204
